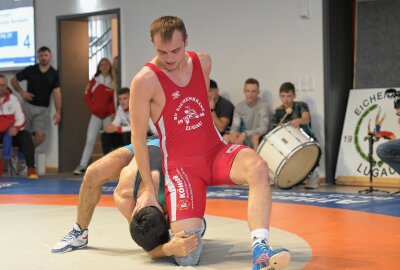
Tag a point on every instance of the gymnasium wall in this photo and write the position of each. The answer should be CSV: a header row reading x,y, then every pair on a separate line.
x,y
272,40
378,44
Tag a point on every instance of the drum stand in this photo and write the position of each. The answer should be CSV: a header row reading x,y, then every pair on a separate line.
x,y
371,141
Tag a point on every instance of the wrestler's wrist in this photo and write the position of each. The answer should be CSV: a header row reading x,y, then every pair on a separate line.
x,y
149,191
167,249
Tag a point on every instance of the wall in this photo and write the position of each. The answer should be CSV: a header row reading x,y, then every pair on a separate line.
x,y
377,47
267,40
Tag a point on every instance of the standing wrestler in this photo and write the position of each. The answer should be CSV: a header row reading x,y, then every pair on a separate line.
x,y
172,90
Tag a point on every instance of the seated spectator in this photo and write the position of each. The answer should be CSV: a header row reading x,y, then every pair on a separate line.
x,y
118,132
250,117
296,114
221,109
12,121
99,97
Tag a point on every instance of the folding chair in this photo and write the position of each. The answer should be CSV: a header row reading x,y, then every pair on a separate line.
x,y
7,153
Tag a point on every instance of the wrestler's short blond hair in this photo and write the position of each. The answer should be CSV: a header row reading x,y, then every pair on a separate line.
x,y
165,26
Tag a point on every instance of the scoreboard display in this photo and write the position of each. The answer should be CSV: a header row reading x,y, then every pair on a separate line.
x,y
17,37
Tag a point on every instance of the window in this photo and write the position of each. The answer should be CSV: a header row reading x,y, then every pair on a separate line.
x,y
100,37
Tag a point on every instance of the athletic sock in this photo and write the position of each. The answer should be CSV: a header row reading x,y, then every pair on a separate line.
x,y
259,234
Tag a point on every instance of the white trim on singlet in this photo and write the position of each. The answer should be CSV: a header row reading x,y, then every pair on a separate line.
x,y
168,182
219,134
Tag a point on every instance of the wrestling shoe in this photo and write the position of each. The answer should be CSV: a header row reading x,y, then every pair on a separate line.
x,y
75,239
264,257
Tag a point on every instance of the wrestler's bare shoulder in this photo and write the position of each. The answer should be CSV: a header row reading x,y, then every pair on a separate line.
x,y
205,61
145,78
204,57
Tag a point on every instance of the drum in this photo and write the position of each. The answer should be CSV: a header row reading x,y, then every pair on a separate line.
x,y
290,153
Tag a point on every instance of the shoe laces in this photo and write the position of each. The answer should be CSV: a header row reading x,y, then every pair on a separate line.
x,y
74,234
263,246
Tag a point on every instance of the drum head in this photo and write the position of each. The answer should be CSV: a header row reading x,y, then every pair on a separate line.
x,y
298,166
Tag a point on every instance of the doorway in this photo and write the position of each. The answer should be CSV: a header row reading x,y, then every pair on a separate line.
x,y
82,40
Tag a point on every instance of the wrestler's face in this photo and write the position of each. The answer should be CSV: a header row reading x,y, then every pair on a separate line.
x,y
123,100
44,58
251,92
170,54
287,98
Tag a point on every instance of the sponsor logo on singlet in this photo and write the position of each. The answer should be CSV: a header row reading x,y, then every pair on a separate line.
x,y
175,94
183,204
183,201
180,188
189,113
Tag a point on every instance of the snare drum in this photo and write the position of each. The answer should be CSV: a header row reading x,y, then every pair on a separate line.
x,y
290,153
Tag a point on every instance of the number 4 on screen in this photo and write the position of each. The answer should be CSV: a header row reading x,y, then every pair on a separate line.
x,y
26,42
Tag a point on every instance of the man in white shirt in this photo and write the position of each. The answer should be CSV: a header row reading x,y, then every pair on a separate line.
x,y
118,132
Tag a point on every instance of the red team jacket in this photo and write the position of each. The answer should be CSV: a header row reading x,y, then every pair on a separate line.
x,y
100,99
11,114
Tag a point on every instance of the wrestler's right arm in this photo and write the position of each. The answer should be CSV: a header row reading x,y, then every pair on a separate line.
x,y
142,92
180,245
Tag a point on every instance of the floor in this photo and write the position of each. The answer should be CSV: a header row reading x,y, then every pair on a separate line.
x,y
333,227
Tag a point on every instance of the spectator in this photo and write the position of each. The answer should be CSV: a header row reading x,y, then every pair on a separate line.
x,y
250,117
221,109
12,121
298,116
389,152
99,97
118,132
42,81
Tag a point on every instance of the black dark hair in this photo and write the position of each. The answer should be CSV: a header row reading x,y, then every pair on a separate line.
x,y
123,90
213,84
390,93
287,87
397,103
44,49
149,228
252,81
393,94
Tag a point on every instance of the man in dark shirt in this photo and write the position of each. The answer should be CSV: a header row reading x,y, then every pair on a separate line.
x,y
296,114
221,108
42,80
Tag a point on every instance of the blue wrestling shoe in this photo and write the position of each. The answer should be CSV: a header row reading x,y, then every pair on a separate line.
x,y
264,257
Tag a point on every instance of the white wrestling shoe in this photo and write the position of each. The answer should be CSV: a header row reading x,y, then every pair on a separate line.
x,y
75,239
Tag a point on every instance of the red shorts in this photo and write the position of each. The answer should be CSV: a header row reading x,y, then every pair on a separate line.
x,y
186,186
